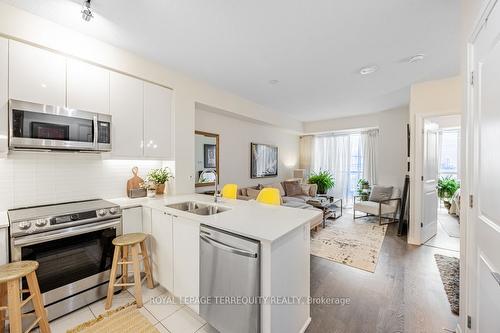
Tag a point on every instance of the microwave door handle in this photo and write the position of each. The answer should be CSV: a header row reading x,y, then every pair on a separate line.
x,y
62,233
96,132
228,248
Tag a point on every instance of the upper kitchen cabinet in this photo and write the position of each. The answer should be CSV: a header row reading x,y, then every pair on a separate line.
x,y
4,98
157,121
36,75
126,108
87,87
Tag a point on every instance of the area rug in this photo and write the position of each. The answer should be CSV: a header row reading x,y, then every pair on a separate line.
x,y
355,243
126,318
449,269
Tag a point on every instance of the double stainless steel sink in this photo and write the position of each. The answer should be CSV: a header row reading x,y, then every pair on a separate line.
x,y
197,208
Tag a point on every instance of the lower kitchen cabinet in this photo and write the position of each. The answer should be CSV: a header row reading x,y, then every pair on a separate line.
x,y
4,246
162,245
132,220
186,237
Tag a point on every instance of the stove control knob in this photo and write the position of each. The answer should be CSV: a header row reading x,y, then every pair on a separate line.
x,y
101,212
25,225
113,210
41,222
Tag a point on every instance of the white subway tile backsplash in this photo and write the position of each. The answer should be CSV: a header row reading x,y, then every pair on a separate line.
x,y
28,178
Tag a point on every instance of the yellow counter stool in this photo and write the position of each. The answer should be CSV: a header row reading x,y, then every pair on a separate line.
x,y
230,191
269,196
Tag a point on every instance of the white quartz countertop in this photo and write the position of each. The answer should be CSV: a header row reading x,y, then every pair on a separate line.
x,y
247,218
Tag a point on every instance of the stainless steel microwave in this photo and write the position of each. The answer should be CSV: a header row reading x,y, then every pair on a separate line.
x,y
48,127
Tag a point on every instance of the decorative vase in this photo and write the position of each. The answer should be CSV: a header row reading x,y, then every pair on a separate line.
x,y
160,189
151,192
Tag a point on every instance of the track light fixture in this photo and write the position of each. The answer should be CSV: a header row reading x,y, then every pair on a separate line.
x,y
86,11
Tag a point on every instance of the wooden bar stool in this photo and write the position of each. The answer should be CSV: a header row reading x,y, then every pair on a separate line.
x,y
122,244
10,288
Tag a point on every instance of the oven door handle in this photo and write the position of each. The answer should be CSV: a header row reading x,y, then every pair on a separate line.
x,y
63,233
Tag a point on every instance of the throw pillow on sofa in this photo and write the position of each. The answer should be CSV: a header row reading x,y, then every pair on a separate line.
x,y
252,193
293,188
306,189
277,186
380,193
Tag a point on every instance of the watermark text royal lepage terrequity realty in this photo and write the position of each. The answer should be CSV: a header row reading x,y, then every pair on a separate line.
x,y
243,300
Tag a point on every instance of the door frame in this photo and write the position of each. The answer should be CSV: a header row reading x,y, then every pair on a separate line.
x,y
415,231
469,146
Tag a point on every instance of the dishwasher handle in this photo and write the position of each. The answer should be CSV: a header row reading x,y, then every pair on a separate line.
x,y
228,248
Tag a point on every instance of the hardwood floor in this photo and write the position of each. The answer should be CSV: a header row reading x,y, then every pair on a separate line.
x,y
405,294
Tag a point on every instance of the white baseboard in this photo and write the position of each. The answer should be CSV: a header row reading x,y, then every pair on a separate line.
x,y
304,328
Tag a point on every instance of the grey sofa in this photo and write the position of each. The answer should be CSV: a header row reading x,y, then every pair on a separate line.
x,y
296,201
309,192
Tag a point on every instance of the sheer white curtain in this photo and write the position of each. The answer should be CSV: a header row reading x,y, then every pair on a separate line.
x,y
306,153
369,144
333,153
349,157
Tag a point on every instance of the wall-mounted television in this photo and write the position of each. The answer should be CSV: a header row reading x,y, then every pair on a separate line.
x,y
263,160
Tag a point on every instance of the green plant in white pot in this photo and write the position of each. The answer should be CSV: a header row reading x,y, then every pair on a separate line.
x,y
159,177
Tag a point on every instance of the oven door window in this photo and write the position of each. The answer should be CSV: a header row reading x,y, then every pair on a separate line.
x,y
36,125
67,260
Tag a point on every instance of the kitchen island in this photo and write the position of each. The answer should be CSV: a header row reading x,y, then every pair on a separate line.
x,y
283,234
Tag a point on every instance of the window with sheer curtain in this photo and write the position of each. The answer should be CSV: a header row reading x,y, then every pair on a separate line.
x,y
449,153
349,157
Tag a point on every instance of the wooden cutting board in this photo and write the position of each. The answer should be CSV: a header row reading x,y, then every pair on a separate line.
x,y
134,182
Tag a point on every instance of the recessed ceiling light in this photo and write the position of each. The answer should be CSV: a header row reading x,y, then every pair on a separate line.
x,y
368,70
416,58
273,82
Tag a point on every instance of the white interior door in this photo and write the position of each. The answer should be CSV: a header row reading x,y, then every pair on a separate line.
x,y
429,181
484,217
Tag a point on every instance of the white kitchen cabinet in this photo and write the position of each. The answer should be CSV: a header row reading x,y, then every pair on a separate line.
x,y
36,75
132,220
4,246
87,87
126,107
4,98
186,236
161,236
157,121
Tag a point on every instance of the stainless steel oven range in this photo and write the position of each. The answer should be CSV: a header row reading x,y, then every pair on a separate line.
x,y
72,243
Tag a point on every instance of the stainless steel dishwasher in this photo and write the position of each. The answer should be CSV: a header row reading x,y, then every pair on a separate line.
x,y
229,281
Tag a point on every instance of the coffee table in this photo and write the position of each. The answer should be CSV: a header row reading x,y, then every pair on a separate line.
x,y
328,205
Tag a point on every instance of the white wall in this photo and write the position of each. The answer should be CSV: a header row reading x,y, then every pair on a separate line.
x,y
445,122
23,26
28,178
392,149
235,136
427,99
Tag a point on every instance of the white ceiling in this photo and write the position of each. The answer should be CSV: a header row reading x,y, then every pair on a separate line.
x,y
314,48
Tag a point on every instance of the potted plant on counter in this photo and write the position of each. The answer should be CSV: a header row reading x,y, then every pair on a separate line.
x,y
323,179
159,177
447,186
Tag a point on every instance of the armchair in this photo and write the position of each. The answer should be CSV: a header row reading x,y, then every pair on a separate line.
x,y
384,210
